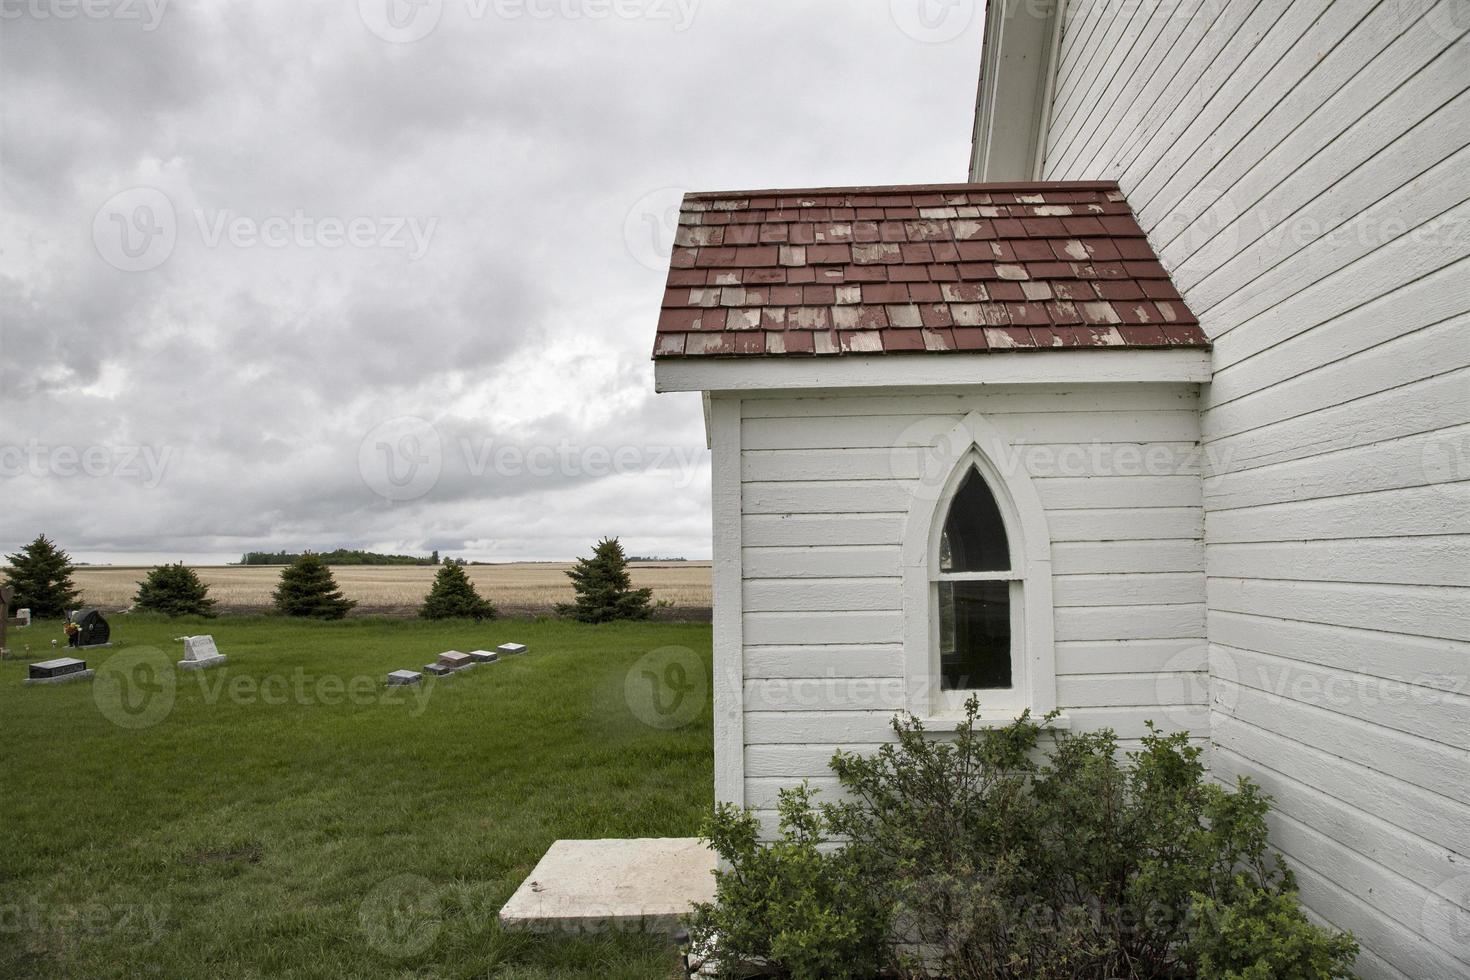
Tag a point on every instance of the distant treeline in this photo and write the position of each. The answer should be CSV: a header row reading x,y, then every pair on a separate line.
x,y
342,556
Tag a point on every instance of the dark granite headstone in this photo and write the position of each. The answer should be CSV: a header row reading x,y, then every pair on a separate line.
x,y
57,668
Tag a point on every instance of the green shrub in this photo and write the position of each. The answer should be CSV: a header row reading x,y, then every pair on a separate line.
x,y
174,590
799,909
604,588
987,855
308,589
453,596
40,573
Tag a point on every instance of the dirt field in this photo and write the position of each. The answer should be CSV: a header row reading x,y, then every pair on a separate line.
x,y
516,589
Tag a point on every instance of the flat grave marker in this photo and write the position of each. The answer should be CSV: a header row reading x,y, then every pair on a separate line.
x,y
402,678
511,649
484,656
456,660
62,670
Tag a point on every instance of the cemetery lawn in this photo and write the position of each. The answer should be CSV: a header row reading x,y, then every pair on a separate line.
x,y
287,815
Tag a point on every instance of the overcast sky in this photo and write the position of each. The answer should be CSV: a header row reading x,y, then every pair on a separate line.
x,y
385,273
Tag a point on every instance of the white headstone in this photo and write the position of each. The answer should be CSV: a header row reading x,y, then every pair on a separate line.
x,y
200,648
510,649
200,652
24,615
400,677
484,656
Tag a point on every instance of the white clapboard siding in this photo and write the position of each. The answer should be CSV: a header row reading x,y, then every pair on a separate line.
x,y
1439,508
1430,765
1053,428
1417,660
1301,168
1131,656
1409,461
1041,460
1164,622
1145,589
1433,350
1410,808
1431,713
1417,610
827,486
858,727
826,594
1431,405
1121,557
1000,399
872,660
853,561
1384,318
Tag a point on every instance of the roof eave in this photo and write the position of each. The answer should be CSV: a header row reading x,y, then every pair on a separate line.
x,y
1190,365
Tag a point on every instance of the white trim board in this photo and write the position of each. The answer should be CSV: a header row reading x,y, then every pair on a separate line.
x,y
1191,365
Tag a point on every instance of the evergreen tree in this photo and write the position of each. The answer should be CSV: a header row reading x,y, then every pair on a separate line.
x,y
40,573
453,596
604,588
308,589
174,590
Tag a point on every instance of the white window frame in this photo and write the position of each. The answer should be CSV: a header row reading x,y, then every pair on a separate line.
x,y
974,443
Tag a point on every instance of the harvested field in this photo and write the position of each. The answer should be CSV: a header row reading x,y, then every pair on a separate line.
x,y
522,588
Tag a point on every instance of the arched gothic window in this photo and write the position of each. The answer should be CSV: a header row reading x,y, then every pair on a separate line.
x,y
976,590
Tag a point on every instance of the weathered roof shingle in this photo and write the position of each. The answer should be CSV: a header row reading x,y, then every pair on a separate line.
x,y
936,268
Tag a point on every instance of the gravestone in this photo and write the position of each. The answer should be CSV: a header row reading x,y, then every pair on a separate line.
x,y
402,678
511,649
484,656
455,660
22,618
438,670
200,653
6,594
63,670
92,629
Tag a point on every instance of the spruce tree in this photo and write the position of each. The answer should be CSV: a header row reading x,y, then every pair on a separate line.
x,y
453,596
604,588
40,573
308,589
174,590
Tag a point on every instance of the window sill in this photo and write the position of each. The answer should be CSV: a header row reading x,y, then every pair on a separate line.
x,y
945,722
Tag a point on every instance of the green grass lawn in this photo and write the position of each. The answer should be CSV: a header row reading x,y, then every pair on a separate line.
x,y
289,815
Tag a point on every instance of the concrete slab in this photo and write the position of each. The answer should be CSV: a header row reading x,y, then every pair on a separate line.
x,y
613,885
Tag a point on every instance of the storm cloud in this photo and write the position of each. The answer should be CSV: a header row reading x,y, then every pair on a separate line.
x,y
384,273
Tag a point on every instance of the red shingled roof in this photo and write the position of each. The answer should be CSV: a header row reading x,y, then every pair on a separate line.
x,y
938,268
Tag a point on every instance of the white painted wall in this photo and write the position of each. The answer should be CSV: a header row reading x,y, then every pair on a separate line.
x,y
825,483
1302,169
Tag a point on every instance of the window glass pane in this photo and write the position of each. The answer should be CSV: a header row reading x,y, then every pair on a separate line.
x,y
974,635
974,537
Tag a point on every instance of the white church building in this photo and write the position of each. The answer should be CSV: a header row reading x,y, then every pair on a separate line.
x,y
1164,416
